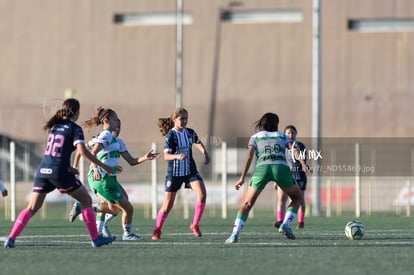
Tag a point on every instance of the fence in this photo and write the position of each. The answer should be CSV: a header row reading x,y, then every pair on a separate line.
x,y
361,177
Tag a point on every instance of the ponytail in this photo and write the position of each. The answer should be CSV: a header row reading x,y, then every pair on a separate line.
x,y
100,114
70,107
166,124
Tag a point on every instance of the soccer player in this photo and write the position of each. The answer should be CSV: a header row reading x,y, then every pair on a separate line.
x,y
3,189
268,144
104,185
181,168
298,175
54,172
104,213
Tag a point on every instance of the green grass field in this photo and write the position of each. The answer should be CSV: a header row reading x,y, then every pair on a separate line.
x,y
55,246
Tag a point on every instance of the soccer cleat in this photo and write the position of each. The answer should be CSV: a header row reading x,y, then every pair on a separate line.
x,y
75,211
196,230
277,224
287,231
105,231
300,225
132,237
101,240
9,243
156,235
234,238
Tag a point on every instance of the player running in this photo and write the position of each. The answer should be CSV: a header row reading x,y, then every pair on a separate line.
x,y
268,144
298,175
55,172
181,168
104,185
104,212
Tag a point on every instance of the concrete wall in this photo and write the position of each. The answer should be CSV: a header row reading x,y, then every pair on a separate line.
x,y
233,73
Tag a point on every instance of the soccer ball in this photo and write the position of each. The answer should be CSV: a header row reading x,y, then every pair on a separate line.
x,y
354,230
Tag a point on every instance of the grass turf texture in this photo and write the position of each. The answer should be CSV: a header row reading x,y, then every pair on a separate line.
x,y
56,246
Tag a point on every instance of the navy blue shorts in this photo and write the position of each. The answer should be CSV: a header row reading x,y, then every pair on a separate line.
x,y
301,179
173,184
302,184
63,185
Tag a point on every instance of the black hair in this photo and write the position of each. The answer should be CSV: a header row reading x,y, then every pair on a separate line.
x,y
268,122
291,127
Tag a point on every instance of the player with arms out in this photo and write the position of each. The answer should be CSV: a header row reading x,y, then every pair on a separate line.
x,y
268,144
55,172
181,168
104,212
104,185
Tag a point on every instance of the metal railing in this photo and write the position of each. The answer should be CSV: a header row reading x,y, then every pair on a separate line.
x,y
354,178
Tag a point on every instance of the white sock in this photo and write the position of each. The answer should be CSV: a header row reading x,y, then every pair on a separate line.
x,y
95,207
127,228
99,226
289,217
238,225
109,217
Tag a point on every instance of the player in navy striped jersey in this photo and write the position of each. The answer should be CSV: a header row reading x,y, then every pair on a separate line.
x,y
55,172
181,168
298,175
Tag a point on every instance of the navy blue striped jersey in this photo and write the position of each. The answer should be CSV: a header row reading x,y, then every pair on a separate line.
x,y
61,142
177,142
294,164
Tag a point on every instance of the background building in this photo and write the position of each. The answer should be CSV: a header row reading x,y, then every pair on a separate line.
x,y
232,71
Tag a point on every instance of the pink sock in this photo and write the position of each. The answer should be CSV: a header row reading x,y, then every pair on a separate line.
x,y
301,216
161,217
89,219
280,215
20,223
199,210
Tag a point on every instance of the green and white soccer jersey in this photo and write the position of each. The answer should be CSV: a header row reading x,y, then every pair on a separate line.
x,y
122,146
109,155
271,164
270,147
108,186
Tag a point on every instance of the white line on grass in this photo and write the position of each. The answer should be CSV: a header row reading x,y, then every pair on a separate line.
x,y
74,239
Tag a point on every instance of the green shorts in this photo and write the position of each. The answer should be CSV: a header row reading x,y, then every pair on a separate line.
x,y
272,172
108,187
